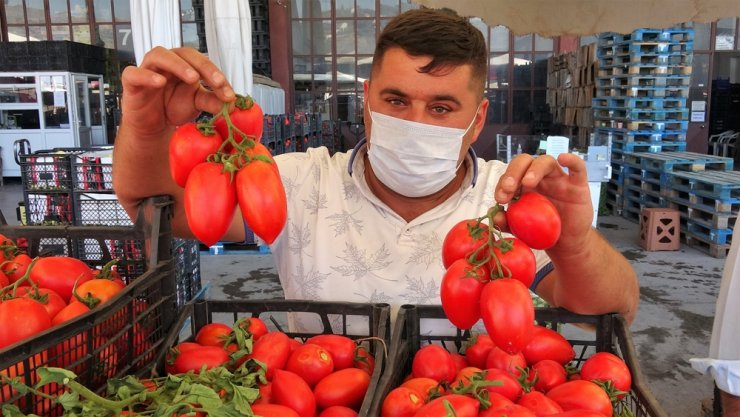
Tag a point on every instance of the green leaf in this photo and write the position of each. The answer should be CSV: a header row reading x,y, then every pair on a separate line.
x,y
69,400
243,396
58,375
10,410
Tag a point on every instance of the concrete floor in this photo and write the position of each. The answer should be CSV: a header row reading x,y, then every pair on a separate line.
x,y
678,292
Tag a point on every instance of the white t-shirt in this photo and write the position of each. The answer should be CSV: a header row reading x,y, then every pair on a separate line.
x,y
341,243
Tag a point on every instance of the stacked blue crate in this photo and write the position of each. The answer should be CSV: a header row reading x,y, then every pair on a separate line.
x,y
640,105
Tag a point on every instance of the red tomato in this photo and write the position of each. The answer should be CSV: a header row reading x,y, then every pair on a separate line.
x,y
509,388
464,406
508,313
578,413
255,326
534,219
426,387
477,348
21,318
346,387
273,350
4,282
18,370
516,261
433,361
364,360
109,272
605,366
273,410
265,396
262,199
460,292
401,402
512,410
341,348
60,273
52,302
96,292
15,268
513,363
213,334
548,374
210,202
460,362
195,359
190,145
311,362
462,379
338,411
69,312
497,401
538,403
463,239
292,391
548,344
581,395
73,354
247,116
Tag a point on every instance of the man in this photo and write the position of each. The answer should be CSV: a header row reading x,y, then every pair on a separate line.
x,y
367,226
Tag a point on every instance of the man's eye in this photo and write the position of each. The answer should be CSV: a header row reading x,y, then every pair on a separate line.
x,y
440,110
395,101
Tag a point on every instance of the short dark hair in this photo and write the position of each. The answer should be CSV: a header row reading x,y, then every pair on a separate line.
x,y
439,33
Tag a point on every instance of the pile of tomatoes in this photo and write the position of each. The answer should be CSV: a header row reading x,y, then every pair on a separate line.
x,y
328,375
221,163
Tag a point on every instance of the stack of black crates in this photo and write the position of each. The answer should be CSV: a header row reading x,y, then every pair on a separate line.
x,y
725,107
641,97
72,186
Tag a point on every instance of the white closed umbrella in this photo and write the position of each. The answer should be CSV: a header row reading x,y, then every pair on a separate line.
x,y
723,362
154,23
229,41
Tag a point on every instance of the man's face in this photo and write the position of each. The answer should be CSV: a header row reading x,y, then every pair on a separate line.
x,y
444,98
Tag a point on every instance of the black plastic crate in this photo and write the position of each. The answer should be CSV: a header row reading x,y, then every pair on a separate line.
x,y
93,171
118,338
47,170
49,208
335,318
99,209
419,325
186,254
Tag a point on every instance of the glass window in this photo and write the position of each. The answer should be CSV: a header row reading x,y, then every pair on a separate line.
x,y
299,12
522,107
37,33
364,64
58,12
18,80
365,8
346,71
35,12
499,39
345,36
105,36
365,36
540,101
725,39
54,102
190,35
187,11
302,68
301,37
523,43
498,74
93,89
103,12
700,71
81,33
388,8
78,10
586,40
322,37
407,5
18,94
14,12
498,110
17,34
60,33
122,10
542,44
321,8
345,8
522,70
540,69
481,26
702,36
19,119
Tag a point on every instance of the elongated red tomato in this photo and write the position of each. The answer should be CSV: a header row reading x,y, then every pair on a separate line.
x,y
273,410
605,366
341,348
262,199
52,302
580,394
60,274
539,404
401,402
477,348
338,411
195,359
273,350
548,344
210,202
464,406
292,391
16,267
460,292
247,116
516,260
190,145
463,239
21,318
311,362
549,374
535,220
433,361
346,388
508,313
513,363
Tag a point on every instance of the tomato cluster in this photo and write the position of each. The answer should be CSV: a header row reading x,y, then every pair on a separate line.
x,y
221,164
487,381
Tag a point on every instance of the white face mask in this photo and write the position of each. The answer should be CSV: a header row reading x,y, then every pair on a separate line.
x,y
414,159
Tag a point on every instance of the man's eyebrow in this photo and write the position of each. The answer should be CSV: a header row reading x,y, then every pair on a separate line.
x,y
399,93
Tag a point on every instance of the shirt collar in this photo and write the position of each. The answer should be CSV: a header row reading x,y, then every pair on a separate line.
x,y
471,154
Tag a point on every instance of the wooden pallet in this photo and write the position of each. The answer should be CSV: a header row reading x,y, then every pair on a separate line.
x,y
721,185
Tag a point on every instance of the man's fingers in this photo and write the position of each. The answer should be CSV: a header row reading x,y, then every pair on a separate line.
x,y
209,73
576,167
510,182
136,79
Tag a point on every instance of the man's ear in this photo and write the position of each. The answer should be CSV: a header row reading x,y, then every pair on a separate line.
x,y
480,118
